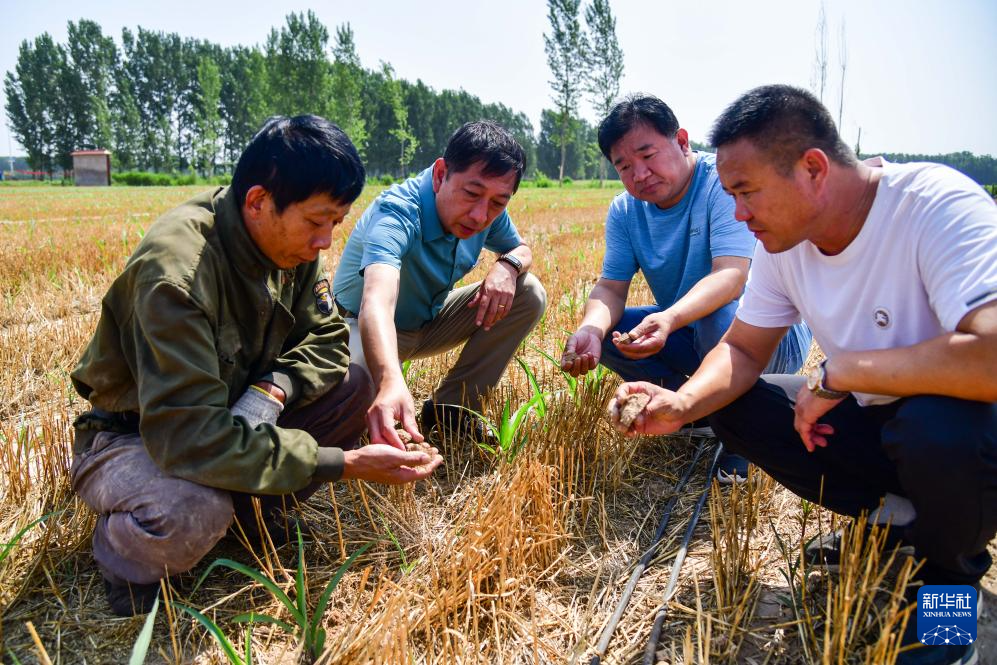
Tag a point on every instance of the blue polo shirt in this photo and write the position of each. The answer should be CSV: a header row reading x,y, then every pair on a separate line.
x,y
401,229
675,248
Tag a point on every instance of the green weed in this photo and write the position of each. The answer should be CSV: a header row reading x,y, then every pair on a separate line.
x,y
305,625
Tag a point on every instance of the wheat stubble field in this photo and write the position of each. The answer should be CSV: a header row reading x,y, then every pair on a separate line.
x,y
503,557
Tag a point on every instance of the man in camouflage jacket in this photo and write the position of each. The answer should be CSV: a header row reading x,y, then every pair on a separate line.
x,y
219,369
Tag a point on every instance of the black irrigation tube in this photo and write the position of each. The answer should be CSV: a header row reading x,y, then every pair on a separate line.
x,y
607,632
659,617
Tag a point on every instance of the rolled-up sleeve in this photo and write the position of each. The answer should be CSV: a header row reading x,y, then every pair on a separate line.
x,y
389,235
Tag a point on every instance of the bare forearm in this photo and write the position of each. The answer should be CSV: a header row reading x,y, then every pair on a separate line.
x,y
707,296
603,309
962,365
725,374
380,344
730,369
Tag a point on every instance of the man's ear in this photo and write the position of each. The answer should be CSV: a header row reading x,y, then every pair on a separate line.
x,y
256,199
816,164
439,174
682,137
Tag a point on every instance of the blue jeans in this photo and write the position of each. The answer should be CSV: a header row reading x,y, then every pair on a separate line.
x,y
685,348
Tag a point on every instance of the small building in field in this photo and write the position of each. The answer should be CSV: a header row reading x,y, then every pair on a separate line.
x,y
91,168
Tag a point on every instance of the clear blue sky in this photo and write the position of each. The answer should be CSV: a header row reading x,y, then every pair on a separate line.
x,y
921,76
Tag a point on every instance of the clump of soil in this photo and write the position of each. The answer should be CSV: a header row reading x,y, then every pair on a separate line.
x,y
419,448
625,338
568,358
631,406
414,447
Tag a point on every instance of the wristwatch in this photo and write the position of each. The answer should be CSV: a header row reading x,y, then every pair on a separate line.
x,y
513,261
815,382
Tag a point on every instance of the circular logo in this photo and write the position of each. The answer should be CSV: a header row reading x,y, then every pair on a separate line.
x,y
881,316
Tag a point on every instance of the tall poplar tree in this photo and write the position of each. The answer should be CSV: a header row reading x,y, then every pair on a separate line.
x,y
566,56
243,97
605,63
347,85
297,66
208,120
92,59
32,92
402,131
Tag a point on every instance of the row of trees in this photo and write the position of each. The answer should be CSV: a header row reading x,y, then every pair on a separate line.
x,y
165,103
981,168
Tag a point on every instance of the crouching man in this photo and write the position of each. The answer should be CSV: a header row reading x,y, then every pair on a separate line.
x,y
219,369
397,283
894,266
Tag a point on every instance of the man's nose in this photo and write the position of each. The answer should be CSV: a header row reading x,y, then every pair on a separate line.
x,y
741,212
479,212
322,239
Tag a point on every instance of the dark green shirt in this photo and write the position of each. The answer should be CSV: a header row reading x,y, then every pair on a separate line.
x,y
198,315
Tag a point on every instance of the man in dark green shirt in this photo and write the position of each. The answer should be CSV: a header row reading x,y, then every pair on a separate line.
x,y
220,370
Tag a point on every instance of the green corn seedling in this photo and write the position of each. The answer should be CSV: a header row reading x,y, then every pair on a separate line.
x,y
303,624
509,432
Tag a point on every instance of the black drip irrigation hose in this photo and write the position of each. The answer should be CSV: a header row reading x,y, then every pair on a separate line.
x,y
607,632
659,617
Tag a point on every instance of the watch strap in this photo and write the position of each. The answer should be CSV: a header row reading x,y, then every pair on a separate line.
x,y
513,261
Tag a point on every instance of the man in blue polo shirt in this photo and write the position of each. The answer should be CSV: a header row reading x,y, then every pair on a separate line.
x,y
676,225
395,283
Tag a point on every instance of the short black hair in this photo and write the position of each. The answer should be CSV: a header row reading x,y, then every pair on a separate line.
x,y
783,122
635,110
489,143
296,158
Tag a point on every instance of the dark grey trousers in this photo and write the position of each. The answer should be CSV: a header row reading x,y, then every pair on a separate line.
x,y
938,452
151,524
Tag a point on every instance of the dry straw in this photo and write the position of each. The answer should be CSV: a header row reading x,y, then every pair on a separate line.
x,y
497,559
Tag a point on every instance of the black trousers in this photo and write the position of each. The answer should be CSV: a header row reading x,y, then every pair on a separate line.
x,y
938,452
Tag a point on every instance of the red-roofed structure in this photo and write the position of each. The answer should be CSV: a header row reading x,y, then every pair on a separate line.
x,y
91,168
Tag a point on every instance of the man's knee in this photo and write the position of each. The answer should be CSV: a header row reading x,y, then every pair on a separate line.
x,y
360,385
531,294
729,425
173,531
934,431
710,328
337,418
747,423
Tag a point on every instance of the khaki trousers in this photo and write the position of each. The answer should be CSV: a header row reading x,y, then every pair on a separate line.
x,y
486,353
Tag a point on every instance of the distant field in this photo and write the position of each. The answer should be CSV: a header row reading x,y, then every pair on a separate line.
x,y
496,559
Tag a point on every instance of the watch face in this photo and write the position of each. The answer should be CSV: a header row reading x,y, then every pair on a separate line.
x,y
813,378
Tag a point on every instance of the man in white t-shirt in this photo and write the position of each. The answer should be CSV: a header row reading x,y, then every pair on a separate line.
x,y
894,267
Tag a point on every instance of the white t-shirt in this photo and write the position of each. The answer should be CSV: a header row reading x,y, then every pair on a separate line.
x,y
925,257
